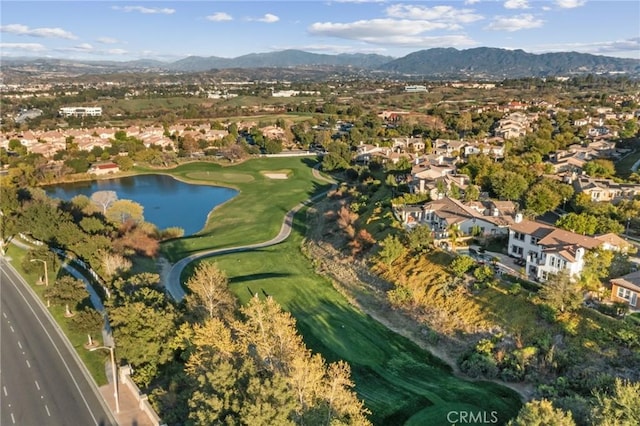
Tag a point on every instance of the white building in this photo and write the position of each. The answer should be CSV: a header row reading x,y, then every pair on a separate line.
x,y
80,111
547,249
415,89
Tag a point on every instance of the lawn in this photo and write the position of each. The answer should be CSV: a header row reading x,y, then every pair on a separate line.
x,y
399,382
94,361
623,167
256,213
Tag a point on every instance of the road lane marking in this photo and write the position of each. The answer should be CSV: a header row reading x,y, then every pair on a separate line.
x,y
13,419
19,344
4,388
12,330
4,314
47,408
54,345
37,385
28,364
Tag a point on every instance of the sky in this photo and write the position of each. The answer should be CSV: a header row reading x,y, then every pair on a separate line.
x,y
168,31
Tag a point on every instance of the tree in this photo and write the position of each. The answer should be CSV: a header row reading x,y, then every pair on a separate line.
x,y
88,321
579,223
454,232
599,168
461,264
104,199
66,291
420,239
620,408
541,413
114,264
508,185
122,211
541,199
391,250
209,293
142,325
560,293
472,193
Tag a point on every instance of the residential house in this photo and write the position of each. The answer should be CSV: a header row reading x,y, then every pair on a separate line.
x,y
440,215
626,289
600,189
408,144
101,169
422,174
547,249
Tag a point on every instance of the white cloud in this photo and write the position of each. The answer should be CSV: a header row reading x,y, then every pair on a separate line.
x,y
570,4
146,10
374,28
107,40
20,29
390,32
28,47
117,52
82,47
471,1
515,23
630,45
436,13
269,18
516,4
334,48
219,17
360,1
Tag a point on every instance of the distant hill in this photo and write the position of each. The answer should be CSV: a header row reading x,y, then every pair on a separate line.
x,y
478,63
503,63
281,59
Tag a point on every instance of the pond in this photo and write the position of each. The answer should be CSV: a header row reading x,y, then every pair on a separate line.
x,y
167,202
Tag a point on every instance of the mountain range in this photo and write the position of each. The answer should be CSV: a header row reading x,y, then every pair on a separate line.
x,y
482,62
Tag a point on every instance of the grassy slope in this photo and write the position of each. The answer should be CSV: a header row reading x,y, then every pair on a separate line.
x,y
399,381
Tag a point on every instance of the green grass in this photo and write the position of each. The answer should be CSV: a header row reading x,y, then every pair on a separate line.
x,y
399,382
94,361
256,213
623,167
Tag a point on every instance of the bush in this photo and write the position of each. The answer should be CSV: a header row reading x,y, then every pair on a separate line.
x,y
515,289
477,365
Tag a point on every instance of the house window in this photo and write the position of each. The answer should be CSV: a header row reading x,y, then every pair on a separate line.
x,y
518,236
516,250
624,293
534,240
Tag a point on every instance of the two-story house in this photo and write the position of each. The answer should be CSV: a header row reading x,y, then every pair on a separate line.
x,y
547,249
627,289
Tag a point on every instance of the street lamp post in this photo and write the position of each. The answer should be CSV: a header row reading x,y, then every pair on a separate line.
x,y
628,222
113,372
46,274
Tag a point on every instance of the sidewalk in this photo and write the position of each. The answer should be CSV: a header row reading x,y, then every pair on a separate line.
x,y
130,413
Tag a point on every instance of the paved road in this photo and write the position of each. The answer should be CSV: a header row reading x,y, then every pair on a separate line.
x,y
43,381
172,280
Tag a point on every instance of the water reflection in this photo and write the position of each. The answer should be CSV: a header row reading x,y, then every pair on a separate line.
x,y
167,202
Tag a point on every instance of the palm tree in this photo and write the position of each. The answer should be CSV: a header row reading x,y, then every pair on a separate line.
x,y
454,232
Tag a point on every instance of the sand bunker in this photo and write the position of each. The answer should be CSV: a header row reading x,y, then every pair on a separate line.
x,y
276,175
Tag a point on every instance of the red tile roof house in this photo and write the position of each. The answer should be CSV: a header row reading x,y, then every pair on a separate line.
x,y
627,289
100,169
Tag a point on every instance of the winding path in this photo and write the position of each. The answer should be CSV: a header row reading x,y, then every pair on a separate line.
x,y
171,280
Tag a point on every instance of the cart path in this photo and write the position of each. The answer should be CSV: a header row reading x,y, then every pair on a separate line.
x,y
170,274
